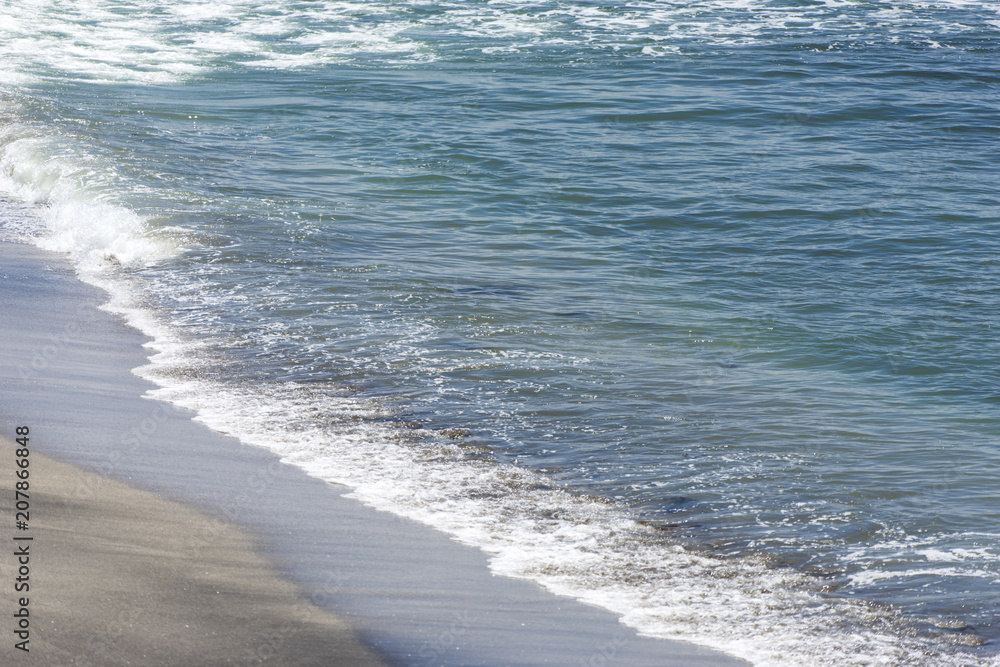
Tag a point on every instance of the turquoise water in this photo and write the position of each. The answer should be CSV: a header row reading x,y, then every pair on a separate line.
x,y
683,309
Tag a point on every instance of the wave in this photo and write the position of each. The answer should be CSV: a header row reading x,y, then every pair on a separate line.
x,y
532,527
145,43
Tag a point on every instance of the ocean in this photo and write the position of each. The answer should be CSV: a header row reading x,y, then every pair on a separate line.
x,y
683,309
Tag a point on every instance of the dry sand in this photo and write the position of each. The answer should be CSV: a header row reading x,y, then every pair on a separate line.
x,y
120,576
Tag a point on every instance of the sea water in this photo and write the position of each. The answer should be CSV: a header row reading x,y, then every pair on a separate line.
x,y
683,309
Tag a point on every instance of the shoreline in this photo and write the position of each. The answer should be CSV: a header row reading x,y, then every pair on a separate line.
x,y
415,596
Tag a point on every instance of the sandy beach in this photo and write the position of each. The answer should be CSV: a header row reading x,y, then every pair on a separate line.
x,y
172,544
498,333
114,580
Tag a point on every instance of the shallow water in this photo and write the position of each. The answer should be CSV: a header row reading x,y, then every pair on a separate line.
x,y
684,309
